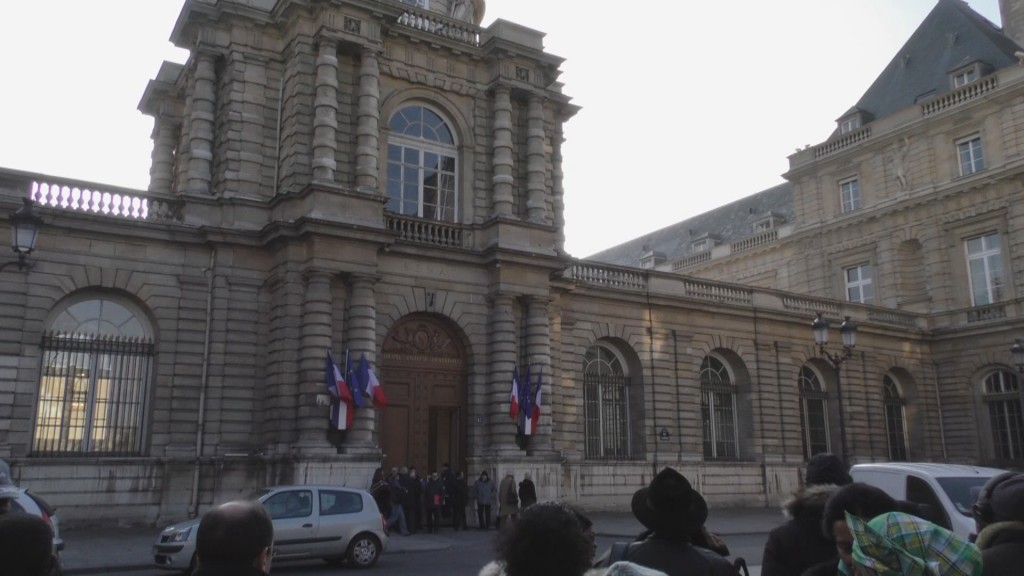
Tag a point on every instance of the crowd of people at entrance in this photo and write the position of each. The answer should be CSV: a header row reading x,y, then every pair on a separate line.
x,y
413,503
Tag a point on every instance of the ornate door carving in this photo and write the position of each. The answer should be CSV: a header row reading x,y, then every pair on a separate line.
x,y
423,366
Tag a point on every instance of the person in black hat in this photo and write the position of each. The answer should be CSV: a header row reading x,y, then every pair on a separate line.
x,y
673,512
999,515
799,543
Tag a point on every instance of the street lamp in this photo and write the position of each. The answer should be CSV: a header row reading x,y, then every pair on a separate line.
x,y
848,331
1017,350
25,225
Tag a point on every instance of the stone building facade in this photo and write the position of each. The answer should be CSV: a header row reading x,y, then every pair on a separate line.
x,y
381,179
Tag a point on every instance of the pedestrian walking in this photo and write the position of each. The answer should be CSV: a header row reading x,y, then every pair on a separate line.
x,y
508,499
460,499
484,494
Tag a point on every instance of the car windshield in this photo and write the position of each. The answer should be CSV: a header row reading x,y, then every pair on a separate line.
x,y
963,491
257,494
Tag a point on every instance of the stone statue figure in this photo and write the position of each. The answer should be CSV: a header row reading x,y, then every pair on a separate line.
x,y
900,151
467,10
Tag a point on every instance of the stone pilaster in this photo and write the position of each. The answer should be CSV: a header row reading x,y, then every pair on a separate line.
x,y
325,112
536,201
501,201
317,322
368,121
502,362
557,191
201,120
362,339
538,357
165,136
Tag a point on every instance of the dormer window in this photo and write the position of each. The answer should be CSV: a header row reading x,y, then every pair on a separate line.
x,y
650,258
700,246
765,222
967,73
849,124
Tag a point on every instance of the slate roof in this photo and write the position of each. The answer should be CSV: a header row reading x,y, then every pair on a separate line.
x,y
730,222
950,37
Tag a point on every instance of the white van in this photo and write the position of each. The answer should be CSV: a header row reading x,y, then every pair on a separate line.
x,y
947,491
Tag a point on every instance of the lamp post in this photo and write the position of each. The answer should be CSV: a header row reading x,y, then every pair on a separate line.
x,y
848,331
25,225
1017,350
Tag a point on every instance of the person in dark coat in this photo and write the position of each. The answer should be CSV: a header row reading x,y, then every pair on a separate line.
x,y
799,543
416,496
484,494
381,493
409,485
26,546
460,499
999,514
433,496
673,511
527,491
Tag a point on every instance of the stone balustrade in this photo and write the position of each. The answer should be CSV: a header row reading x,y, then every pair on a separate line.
x,y
845,141
718,292
759,239
70,195
440,26
966,93
430,232
606,276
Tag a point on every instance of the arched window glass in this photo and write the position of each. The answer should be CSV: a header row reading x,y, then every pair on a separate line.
x,y
1004,414
813,413
421,165
895,422
606,404
718,410
94,381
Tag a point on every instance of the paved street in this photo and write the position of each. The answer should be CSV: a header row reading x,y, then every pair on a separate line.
x,y
126,550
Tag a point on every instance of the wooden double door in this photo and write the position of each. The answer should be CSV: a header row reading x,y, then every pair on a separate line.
x,y
423,369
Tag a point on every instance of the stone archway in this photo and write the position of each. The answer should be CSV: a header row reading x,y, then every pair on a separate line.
x,y
423,363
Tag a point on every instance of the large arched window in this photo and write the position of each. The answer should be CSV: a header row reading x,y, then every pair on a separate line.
x,y
1002,397
421,165
718,410
94,381
895,422
606,404
813,413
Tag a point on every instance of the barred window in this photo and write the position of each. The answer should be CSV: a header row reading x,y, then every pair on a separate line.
x,y
1004,413
94,381
606,404
813,413
895,423
718,410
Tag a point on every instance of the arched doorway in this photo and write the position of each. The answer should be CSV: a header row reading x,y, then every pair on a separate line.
x,y
424,365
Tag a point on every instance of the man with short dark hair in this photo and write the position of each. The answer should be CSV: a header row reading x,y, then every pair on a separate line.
x,y
26,546
999,514
235,539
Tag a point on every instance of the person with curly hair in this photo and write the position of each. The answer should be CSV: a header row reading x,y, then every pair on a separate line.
x,y
547,540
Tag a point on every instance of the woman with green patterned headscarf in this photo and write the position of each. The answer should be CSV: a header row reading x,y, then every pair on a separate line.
x,y
896,543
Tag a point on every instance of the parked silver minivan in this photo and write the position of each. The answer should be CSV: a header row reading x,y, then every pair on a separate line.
x,y
946,492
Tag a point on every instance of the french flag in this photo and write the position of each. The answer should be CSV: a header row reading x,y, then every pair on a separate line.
x,y
526,426
341,397
535,404
513,406
369,384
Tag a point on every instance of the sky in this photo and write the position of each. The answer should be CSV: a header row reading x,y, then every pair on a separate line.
x,y
685,107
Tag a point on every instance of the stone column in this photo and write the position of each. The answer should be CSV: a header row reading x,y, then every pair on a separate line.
x,y
315,340
501,202
368,122
165,136
362,339
201,125
536,202
502,361
325,112
538,356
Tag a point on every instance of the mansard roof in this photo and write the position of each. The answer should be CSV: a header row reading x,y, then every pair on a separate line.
x,y
726,223
951,36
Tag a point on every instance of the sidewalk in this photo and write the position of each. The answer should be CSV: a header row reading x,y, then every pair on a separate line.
x,y
103,550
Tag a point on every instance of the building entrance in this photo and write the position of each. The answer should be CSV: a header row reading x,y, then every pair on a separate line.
x,y
423,366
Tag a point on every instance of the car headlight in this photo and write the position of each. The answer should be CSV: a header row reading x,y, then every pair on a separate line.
x,y
181,535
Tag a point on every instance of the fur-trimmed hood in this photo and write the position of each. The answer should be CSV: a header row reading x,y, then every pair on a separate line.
x,y
808,502
999,532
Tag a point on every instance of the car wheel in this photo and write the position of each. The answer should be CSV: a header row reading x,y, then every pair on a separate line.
x,y
363,550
